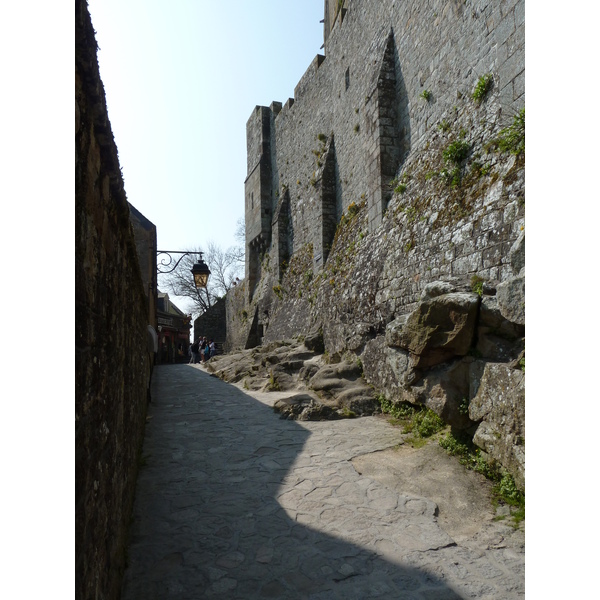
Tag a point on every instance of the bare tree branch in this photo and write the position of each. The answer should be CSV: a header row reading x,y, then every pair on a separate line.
x,y
225,266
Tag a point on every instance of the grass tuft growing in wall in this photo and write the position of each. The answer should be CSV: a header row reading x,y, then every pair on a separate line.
x,y
456,152
278,291
484,85
444,126
477,285
512,138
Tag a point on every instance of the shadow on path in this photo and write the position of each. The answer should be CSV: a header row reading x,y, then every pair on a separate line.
x,y
207,522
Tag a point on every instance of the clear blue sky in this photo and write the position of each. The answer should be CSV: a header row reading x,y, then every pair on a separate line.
x,y
181,80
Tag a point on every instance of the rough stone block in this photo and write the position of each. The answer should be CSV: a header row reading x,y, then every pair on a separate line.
x,y
492,256
512,67
519,86
517,254
505,28
467,264
519,14
511,299
440,328
499,406
445,390
491,220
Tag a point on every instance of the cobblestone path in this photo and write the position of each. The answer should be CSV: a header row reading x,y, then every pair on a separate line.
x,y
234,503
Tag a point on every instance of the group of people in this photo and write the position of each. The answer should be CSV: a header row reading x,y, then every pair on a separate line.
x,y
202,350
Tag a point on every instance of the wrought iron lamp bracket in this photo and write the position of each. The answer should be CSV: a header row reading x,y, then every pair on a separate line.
x,y
162,267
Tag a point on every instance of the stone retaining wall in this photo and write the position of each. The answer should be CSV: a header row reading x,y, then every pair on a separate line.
x,y
113,357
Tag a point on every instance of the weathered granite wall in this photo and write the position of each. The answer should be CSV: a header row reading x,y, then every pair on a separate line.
x,y
366,94
383,175
241,326
113,362
358,128
144,232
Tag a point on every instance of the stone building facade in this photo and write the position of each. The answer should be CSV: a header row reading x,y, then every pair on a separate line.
x,y
212,324
173,332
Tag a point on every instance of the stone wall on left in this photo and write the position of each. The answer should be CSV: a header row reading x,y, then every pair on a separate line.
x,y
113,364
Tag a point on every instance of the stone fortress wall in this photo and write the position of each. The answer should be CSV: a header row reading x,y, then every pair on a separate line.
x,y
113,354
356,119
381,178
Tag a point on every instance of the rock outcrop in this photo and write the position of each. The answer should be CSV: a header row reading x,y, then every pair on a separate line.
x,y
320,390
439,329
457,353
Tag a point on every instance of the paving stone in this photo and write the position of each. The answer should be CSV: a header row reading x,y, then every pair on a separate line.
x,y
278,511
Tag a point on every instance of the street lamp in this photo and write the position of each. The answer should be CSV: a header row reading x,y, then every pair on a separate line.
x,y
200,270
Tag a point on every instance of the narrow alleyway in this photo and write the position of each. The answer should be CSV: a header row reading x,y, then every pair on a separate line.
x,y
234,503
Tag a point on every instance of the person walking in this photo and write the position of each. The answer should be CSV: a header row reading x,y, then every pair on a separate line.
x,y
195,349
203,345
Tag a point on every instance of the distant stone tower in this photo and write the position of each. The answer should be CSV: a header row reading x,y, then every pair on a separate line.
x,y
258,190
